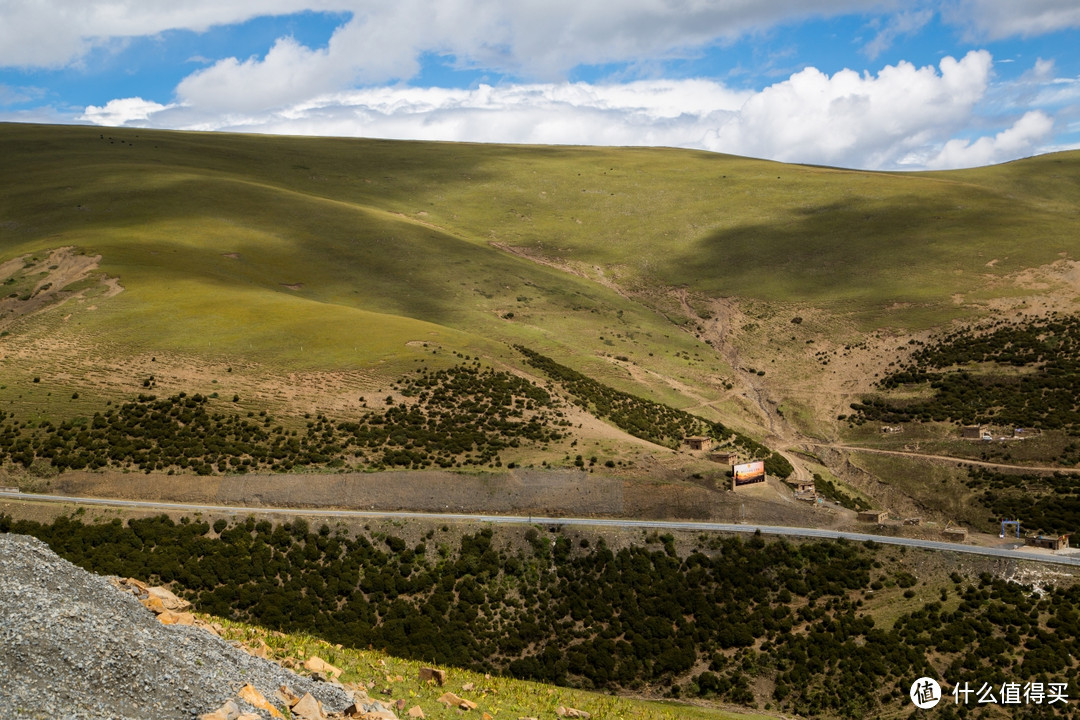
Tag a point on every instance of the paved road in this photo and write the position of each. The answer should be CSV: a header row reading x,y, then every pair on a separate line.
x,y
623,523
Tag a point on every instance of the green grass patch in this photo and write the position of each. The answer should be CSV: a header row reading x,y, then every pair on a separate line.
x,y
500,696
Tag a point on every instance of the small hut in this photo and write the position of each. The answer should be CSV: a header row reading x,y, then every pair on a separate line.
x,y
1050,542
699,442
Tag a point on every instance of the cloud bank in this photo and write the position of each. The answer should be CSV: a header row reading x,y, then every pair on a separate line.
x,y
536,37
996,19
539,39
903,117
1025,134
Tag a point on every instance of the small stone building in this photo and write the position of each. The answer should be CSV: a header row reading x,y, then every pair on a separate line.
x,y
955,534
873,516
724,457
699,442
806,491
1050,542
972,432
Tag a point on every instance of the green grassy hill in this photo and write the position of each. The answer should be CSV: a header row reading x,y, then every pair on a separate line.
x,y
404,228
261,265
253,246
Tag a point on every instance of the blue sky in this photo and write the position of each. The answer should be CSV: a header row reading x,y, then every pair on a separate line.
x,y
878,84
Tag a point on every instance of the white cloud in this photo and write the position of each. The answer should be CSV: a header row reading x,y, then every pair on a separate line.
x,y
544,39
1059,92
1020,140
1037,88
661,112
10,95
996,19
541,39
40,114
290,72
903,116
857,120
123,111
903,23
54,33
537,38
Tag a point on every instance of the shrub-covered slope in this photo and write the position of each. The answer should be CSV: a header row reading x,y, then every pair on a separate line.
x,y
741,621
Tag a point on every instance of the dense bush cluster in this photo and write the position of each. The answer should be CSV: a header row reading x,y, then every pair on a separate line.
x,y
825,487
1047,503
1000,632
450,418
646,419
461,416
457,417
542,606
151,434
777,465
1044,398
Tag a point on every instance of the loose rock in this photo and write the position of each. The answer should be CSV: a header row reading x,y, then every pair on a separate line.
x,y
431,674
453,700
317,664
308,708
228,711
256,699
75,648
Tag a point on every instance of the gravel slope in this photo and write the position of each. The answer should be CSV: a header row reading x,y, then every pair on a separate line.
x,y
73,646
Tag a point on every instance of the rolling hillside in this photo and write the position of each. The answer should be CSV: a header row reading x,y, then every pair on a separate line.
x,y
302,275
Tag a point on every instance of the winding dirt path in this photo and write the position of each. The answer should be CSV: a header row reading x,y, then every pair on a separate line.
x,y
944,458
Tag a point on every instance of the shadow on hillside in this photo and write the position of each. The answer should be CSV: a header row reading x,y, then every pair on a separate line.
x,y
897,249
231,231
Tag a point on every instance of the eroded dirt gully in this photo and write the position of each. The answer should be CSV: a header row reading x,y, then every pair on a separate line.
x,y
41,282
718,331
844,373
750,390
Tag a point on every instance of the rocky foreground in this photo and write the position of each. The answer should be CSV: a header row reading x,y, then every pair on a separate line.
x,y
73,646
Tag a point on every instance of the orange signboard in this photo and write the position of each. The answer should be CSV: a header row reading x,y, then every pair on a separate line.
x,y
748,473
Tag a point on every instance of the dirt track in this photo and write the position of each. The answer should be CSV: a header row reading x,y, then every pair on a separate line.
x,y
947,459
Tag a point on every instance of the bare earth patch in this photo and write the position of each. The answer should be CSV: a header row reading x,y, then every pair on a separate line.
x,y
34,284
